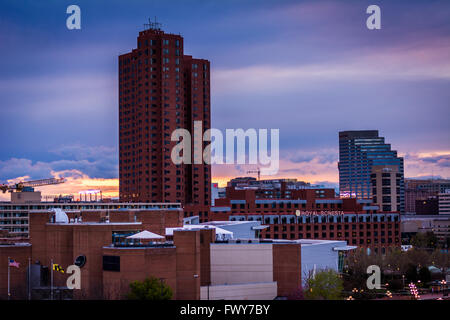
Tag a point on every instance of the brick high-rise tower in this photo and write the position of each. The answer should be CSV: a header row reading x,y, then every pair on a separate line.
x,y
160,90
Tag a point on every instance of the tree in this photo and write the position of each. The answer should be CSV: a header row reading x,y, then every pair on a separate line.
x,y
411,273
150,289
395,261
425,240
355,275
424,275
325,285
395,284
440,259
418,257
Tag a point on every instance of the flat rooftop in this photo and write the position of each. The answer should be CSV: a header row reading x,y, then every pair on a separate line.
x,y
130,205
166,244
441,217
15,244
306,242
89,223
226,223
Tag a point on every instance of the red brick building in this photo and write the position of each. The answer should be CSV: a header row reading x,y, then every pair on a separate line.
x,y
160,90
185,264
64,242
20,252
278,188
309,216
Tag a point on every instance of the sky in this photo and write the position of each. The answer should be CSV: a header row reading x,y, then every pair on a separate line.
x,y
307,68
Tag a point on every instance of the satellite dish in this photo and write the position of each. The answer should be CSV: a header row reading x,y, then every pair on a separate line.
x,y
80,261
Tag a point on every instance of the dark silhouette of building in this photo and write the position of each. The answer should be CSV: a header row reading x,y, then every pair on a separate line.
x,y
429,206
421,189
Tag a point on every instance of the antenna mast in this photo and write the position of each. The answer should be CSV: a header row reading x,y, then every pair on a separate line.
x,y
152,25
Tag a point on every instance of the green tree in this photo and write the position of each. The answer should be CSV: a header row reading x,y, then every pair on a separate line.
x,y
149,289
325,285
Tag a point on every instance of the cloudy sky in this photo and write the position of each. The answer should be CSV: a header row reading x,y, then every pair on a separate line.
x,y
309,68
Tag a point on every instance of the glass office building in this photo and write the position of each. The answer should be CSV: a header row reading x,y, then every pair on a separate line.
x,y
359,153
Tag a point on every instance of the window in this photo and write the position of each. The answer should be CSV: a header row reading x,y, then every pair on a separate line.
x,y
111,263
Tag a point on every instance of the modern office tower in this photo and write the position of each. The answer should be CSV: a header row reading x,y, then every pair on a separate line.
x,y
369,169
160,90
385,181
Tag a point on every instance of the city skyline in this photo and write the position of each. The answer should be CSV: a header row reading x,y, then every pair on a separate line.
x,y
324,84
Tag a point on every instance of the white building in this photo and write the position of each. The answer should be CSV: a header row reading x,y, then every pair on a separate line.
x,y
242,266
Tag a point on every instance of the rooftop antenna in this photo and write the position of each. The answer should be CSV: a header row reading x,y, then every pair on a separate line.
x,y
152,25
258,171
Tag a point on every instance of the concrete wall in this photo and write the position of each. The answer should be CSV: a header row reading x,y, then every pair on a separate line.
x,y
26,197
247,291
242,230
241,263
320,256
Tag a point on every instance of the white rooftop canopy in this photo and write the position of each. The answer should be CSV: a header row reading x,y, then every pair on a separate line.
x,y
344,248
145,235
219,231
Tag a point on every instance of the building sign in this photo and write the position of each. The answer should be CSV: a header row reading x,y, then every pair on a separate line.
x,y
316,213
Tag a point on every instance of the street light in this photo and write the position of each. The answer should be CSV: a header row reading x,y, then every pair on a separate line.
x,y
443,284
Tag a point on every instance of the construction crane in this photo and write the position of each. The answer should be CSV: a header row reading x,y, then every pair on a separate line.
x,y
256,171
19,187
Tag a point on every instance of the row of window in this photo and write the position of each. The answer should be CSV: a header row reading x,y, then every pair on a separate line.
x,y
323,219
281,205
352,241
